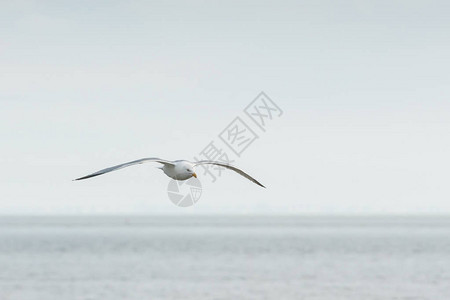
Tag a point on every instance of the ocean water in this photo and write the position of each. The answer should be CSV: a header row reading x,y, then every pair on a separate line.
x,y
224,258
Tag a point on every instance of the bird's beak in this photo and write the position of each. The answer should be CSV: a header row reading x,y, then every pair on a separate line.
x,y
194,175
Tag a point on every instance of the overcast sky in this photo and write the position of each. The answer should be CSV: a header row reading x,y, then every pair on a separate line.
x,y
364,87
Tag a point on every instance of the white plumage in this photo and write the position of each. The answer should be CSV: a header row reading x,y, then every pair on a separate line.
x,y
178,169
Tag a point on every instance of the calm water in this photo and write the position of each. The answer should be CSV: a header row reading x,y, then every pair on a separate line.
x,y
224,258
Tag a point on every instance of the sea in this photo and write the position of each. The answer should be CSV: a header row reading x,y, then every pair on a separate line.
x,y
224,257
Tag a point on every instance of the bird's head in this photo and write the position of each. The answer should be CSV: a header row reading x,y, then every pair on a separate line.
x,y
191,172
184,170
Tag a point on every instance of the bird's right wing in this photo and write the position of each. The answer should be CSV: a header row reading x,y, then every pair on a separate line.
x,y
239,171
134,162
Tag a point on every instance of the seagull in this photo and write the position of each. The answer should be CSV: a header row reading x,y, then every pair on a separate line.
x,y
178,169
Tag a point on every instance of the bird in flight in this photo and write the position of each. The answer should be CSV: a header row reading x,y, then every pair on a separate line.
x,y
178,169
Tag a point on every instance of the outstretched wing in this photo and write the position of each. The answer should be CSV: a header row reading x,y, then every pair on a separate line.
x,y
134,162
239,171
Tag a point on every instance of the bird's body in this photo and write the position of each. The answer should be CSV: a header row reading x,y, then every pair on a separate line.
x,y
178,169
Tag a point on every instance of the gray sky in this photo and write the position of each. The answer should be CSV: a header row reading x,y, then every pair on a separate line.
x,y
364,87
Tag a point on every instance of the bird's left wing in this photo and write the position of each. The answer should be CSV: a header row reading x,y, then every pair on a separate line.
x,y
134,162
239,171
